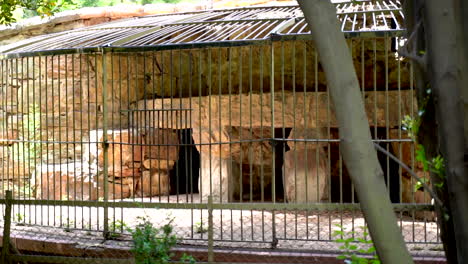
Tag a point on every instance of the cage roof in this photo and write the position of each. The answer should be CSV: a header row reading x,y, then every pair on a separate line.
x,y
238,26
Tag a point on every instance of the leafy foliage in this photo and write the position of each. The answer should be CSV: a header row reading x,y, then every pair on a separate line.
x,y
31,133
40,7
152,245
435,165
13,10
116,228
356,248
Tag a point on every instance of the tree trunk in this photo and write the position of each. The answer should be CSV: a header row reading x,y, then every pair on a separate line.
x,y
443,53
427,135
356,144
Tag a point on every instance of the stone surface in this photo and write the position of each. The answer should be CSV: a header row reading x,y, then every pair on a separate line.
x,y
125,147
216,176
152,183
305,175
160,144
8,137
213,114
305,167
158,164
69,181
116,190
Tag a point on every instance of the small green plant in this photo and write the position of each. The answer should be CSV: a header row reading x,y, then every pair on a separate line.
x,y
152,245
67,225
200,228
31,133
434,165
356,246
116,228
19,218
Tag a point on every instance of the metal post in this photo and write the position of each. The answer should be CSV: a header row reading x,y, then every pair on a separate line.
x,y
6,227
210,230
105,146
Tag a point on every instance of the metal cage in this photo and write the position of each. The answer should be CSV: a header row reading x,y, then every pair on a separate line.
x,y
221,117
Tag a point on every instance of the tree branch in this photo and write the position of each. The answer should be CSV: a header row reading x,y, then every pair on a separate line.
x,y
413,174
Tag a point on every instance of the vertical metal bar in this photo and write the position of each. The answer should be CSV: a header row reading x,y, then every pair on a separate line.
x,y
210,230
210,130
274,241
250,143
293,58
200,129
387,117
26,159
82,106
231,195
241,183
40,137
262,176
283,132
241,176
105,144
88,85
190,72
305,114
6,227
220,145
113,107
3,124
161,115
96,80
75,183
